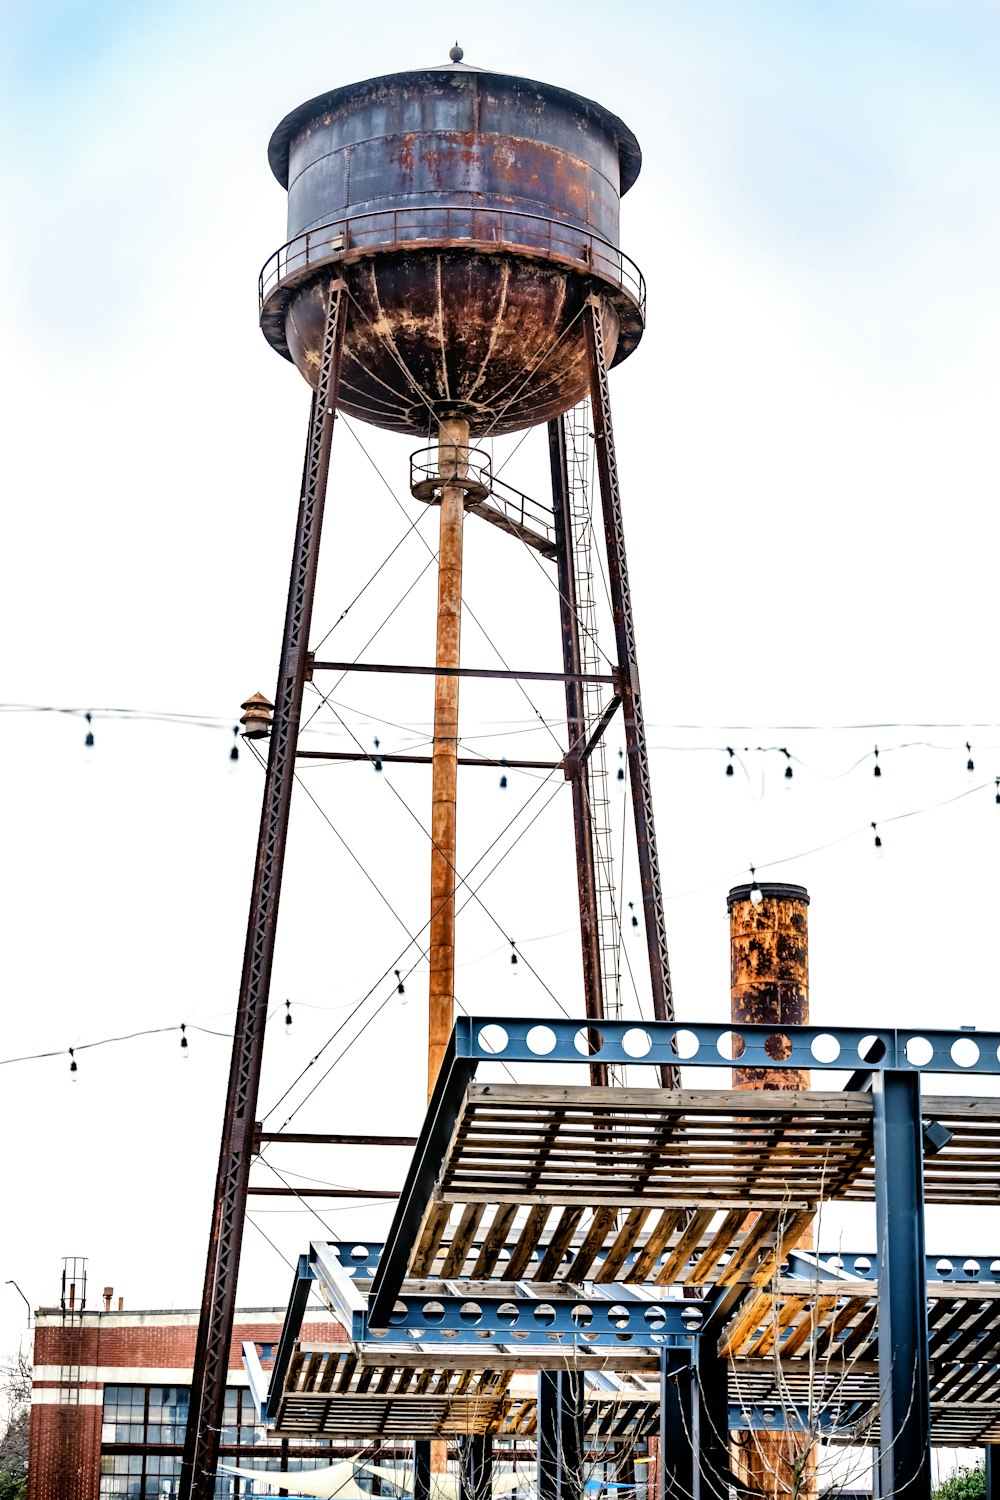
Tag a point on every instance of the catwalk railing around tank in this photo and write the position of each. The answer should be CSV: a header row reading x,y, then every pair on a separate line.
x,y
439,224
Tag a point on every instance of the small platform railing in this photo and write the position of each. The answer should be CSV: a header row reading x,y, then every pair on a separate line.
x,y
408,228
427,479
486,496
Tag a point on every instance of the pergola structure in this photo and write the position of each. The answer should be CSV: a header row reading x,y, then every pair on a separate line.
x,y
582,1264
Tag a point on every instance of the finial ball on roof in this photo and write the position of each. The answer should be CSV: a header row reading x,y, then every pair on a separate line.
x,y
456,54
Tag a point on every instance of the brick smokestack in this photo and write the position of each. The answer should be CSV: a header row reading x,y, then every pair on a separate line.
x,y
769,985
769,970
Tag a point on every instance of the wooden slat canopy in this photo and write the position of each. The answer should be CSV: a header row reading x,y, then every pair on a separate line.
x,y
822,1337
331,1392
660,1186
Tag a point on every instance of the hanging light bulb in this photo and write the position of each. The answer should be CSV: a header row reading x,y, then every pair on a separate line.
x,y
756,894
878,768
513,952
970,764
503,777
288,1019
72,1067
635,919
729,763
998,790
400,986
878,839
89,741
788,768
377,759
621,768
185,1053
234,753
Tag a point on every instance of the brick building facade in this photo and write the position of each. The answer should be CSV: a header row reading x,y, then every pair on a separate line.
x,y
109,1403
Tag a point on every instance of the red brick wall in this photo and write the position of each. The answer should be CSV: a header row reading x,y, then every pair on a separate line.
x,y
159,1347
65,1440
64,1453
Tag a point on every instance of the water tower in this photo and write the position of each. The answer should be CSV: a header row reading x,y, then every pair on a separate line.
x,y
452,272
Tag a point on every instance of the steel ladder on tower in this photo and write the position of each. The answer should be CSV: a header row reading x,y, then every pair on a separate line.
x,y
580,467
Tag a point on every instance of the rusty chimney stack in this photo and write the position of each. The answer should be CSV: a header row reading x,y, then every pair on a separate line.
x,y
109,1292
769,969
769,986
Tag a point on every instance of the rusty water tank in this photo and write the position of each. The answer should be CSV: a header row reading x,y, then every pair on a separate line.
x,y
471,214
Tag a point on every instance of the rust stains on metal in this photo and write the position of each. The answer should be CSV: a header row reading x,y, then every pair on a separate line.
x,y
769,986
494,339
472,205
453,460
769,980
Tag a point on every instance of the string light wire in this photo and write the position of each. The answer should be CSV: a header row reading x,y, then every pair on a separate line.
x,y
107,1041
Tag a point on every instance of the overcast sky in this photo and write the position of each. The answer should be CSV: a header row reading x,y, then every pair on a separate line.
x,y
807,438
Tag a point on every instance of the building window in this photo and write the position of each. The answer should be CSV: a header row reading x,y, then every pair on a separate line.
x,y
240,1425
151,1417
166,1413
124,1414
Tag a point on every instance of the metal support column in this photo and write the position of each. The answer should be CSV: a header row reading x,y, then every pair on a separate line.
x,y
559,1430
711,1422
904,1401
421,1470
694,1423
676,1448
992,1474
215,1330
577,769
635,729
475,1467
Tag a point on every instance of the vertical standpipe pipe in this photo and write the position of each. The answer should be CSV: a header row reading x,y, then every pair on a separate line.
x,y
453,464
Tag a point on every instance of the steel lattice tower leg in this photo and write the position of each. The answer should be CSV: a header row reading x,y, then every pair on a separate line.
x,y
577,769
215,1331
628,670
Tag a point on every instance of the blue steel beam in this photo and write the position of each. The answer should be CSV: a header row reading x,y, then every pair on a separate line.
x,y
656,1044
696,1044
961,1269
301,1287
904,1396
784,1417
456,1072
576,1321
433,1311
362,1257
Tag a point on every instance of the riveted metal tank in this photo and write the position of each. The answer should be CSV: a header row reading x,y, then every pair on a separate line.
x,y
471,214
